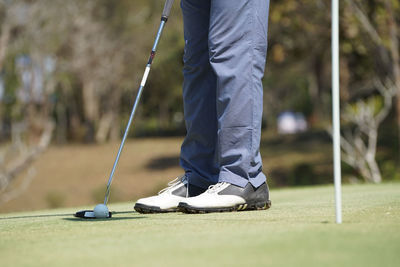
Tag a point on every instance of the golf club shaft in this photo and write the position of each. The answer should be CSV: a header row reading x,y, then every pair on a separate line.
x,y
164,18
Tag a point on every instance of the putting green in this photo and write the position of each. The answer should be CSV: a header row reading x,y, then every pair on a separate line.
x,y
298,230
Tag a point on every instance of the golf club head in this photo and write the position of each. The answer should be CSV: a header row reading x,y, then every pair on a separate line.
x,y
88,214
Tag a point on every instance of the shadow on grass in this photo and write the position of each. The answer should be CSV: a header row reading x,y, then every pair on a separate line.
x,y
114,213
74,219
103,220
35,216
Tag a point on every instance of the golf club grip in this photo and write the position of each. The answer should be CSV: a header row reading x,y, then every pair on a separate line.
x,y
167,8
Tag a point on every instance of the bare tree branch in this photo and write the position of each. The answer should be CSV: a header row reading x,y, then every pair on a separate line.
x,y
25,158
388,92
365,22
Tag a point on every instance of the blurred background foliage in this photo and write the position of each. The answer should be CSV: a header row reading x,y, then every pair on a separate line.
x,y
77,64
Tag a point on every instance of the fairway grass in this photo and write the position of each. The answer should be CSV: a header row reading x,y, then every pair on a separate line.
x,y
298,230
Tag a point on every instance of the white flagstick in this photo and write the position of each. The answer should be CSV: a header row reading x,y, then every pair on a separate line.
x,y
336,110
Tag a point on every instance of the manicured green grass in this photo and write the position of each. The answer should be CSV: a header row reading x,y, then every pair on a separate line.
x,y
298,230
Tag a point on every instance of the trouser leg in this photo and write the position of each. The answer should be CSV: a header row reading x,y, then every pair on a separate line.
x,y
198,157
237,48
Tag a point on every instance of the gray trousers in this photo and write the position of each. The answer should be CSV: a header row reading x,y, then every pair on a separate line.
x,y
224,61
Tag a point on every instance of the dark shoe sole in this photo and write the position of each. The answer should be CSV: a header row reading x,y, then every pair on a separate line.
x,y
185,208
141,208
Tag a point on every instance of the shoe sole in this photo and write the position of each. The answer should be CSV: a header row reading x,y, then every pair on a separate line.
x,y
141,208
186,208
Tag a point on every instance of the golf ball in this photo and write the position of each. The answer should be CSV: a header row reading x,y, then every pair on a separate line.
x,y
100,211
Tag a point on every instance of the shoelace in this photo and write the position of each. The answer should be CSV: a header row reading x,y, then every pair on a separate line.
x,y
175,182
213,188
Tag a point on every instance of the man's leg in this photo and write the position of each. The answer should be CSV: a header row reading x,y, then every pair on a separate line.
x,y
198,157
238,47
198,149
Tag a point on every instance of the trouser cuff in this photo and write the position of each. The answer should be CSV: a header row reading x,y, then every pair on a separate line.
x,y
229,177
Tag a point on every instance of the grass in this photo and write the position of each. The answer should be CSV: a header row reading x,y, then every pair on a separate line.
x,y
298,230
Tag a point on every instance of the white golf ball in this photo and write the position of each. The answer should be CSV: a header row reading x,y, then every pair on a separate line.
x,y
100,211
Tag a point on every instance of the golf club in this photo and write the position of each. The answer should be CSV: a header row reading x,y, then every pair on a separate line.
x,y
101,210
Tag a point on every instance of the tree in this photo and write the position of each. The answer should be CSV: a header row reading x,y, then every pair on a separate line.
x,y
380,20
360,137
374,54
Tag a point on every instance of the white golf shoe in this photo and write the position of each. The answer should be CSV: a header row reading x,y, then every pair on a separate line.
x,y
167,200
224,196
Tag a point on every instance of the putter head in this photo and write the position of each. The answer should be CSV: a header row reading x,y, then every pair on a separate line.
x,y
88,214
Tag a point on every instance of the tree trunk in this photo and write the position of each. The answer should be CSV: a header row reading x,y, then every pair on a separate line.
x,y
370,158
104,126
376,176
109,124
5,36
90,109
315,86
62,123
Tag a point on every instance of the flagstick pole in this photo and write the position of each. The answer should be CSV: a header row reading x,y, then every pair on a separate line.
x,y
336,110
